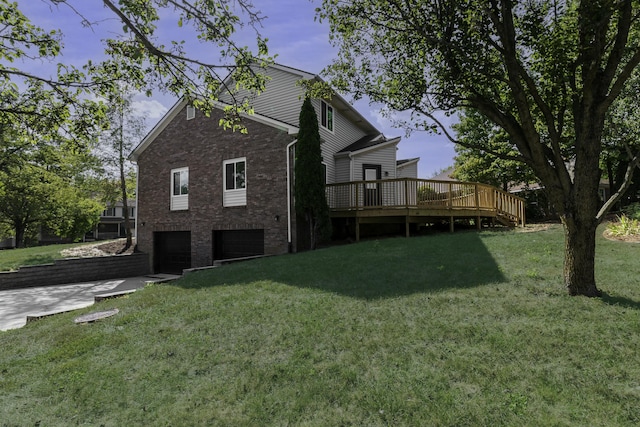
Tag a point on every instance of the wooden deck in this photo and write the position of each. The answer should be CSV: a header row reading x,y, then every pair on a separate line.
x,y
415,201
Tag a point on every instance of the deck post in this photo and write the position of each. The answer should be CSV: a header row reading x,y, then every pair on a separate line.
x,y
478,223
406,226
357,228
451,224
406,194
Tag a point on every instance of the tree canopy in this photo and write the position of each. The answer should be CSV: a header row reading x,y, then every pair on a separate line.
x,y
69,98
545,71
492,161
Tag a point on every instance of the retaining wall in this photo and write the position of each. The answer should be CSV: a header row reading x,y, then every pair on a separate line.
x,y
73,270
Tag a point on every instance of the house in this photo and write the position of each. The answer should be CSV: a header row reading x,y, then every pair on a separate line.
x,y
207,194
111,222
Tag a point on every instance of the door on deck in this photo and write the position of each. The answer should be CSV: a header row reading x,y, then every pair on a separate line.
x,y
372,196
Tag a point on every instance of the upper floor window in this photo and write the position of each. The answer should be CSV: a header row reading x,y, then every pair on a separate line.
x,y
235,182
109,212
179,189
326,116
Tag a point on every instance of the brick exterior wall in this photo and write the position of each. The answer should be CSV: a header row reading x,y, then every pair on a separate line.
x,y
202,145
74,270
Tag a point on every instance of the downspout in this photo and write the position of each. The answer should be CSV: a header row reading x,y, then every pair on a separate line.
x,y
135,217
289,219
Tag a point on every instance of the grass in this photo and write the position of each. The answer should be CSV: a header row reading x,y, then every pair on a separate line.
x,y
11,259
462,329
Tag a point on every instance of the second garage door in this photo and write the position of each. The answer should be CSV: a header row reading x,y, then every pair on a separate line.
x,y
229,244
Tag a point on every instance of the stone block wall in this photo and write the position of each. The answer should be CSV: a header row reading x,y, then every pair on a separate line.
x,y
74,270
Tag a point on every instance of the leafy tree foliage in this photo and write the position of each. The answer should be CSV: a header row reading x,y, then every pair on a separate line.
x,y
125,131
310,198
138,55
622,143
545,71
38,188
487,154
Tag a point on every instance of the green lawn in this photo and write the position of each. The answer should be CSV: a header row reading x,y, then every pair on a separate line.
x,y
452,329
11,259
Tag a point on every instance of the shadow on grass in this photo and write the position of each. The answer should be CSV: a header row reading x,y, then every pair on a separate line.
x,y
620,301
38,260
370,270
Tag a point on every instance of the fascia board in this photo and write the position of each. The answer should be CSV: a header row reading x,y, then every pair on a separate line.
x,y
393,141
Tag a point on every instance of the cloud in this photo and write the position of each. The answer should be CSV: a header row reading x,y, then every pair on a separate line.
x,y
150,109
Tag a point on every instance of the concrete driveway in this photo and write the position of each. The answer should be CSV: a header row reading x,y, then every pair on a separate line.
x,y
17,304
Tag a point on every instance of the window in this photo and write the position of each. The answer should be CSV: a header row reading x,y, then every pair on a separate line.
x,y
326,116
179,189
234,174
235,182
324,173
109,212
191,112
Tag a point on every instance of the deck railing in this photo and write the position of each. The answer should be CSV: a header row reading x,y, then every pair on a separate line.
x,y
424,194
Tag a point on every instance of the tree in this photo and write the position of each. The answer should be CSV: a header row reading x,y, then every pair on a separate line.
x,y
310,198
38,189
621,140
125,131
486,163
545,71
138,55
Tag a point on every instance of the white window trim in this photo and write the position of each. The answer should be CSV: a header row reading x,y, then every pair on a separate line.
x,y
324,104
179,202
326,172
236,196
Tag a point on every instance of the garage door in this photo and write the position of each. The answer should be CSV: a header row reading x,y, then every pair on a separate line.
x,y
171,251
229,244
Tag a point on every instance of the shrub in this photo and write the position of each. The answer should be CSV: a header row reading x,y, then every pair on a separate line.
x,y
625,226
632,211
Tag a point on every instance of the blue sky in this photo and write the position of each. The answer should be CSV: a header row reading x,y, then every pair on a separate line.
x,y
294,36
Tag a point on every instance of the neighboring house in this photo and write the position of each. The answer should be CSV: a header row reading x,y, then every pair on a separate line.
x,y
538,205
445,175
111,223
207,194
8,243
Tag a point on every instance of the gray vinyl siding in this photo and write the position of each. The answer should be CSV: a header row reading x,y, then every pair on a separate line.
x,y
409,171
281,99
344,133
343,170
385,156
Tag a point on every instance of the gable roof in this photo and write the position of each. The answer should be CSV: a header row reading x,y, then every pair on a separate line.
x,y
367,143
406,162
337,102
180,104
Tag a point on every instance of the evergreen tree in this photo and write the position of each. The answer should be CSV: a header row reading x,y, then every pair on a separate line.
x,y
310,198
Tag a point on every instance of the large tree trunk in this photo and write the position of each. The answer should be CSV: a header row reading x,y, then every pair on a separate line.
x,y
579,257
20,231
